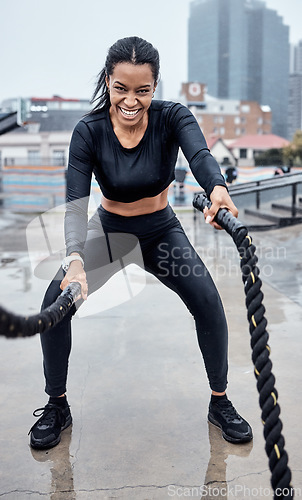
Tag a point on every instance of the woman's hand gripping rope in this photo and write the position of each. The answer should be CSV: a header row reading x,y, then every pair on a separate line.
x,y
220,198
77,274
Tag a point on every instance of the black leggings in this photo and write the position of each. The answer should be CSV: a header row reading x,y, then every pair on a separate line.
x,y
158,243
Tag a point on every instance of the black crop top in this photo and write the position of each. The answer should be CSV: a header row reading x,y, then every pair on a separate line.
x,y
130,174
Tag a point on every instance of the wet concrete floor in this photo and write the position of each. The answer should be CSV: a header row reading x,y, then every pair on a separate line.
x,y
137,386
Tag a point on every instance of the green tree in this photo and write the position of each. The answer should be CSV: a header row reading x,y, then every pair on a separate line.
x,y
292,154
272,156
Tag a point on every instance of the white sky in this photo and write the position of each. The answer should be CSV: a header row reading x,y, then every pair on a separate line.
x,y
58,46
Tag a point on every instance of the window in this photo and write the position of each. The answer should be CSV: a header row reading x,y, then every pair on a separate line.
x,y
237,120
58,157
33,157
9,161
38,108
245,108
237,131
243,153
222,130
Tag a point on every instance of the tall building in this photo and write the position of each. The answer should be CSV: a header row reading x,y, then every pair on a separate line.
x,y
295,93
298,58
241,49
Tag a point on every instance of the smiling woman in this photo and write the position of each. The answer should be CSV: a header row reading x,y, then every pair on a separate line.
x,y
131,142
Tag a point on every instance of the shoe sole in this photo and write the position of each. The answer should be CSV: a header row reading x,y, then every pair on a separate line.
x,y
40,446
230,439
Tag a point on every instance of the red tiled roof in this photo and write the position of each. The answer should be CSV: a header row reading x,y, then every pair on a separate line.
x,y
263,141
211,141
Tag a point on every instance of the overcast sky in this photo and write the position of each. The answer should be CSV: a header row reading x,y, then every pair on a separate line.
x,y
58,46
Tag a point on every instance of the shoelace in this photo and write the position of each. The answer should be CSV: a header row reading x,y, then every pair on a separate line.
x,y
47,414
228,410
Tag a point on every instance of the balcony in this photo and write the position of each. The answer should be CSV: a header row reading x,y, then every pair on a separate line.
x,y
37,161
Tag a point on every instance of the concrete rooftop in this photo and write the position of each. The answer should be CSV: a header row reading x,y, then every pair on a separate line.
x,y
137,386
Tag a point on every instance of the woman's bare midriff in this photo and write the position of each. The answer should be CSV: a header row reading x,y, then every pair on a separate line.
x,y
139,207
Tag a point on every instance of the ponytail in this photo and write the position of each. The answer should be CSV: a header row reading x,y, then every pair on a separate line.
x,y
101,94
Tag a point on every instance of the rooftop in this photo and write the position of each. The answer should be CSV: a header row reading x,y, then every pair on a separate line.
x,y
257,141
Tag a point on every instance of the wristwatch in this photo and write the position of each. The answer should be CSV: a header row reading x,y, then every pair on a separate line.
x,y
67,260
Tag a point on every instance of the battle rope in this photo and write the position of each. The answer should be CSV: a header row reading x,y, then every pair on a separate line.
x,y
274,447
12,325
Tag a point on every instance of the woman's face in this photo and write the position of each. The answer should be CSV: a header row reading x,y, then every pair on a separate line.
x,y
131,87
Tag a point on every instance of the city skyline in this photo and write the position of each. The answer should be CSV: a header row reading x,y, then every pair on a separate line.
x,y
240,50
52,48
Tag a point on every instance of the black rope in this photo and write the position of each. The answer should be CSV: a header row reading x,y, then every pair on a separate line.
x,y
13,325
268,396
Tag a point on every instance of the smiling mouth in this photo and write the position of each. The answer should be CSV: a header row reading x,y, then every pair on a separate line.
x,y
126,112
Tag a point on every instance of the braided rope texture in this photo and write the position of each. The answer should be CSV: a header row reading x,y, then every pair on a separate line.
x,y
13,325
268,395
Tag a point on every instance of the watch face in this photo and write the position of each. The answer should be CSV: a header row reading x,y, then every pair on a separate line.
x,y
65,264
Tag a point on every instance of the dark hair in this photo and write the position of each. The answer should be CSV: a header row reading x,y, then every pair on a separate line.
x,y
133,50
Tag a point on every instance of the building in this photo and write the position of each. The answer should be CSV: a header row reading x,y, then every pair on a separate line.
x,y
225,118
221,152
33,158
298,58
247,147
241,49
294,104
47,131
295,93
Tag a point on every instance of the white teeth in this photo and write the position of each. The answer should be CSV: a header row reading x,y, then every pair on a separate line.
x,y
129,113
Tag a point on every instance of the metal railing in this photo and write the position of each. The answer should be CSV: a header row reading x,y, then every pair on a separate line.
x,y
290,181
34,162
257,187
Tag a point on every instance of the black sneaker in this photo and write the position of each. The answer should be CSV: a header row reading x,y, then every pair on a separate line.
x,y
234,428
46,432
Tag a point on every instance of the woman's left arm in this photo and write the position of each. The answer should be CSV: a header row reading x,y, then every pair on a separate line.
x,y
202,164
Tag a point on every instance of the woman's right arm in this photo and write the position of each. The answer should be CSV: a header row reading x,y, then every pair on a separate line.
x,y
78,183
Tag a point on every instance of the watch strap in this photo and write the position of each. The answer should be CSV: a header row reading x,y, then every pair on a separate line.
x,y
67,260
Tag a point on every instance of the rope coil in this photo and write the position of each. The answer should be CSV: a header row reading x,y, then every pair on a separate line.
x,y
268,395
13,325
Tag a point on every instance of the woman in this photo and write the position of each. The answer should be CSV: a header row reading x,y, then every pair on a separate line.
x,y
131,144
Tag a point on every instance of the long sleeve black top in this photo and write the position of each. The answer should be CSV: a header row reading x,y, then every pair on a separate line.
x,y
130,174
